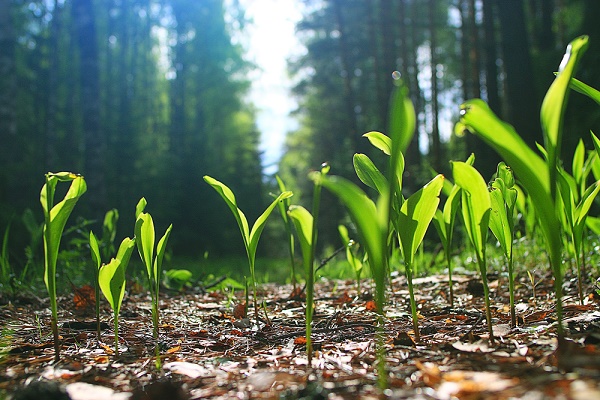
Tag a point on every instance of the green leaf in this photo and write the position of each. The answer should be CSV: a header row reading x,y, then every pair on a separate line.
x,y
380,141
160,253
231,202
303,221
140,207
112,275
476,201
261,221
95,250
144,233
415,216
368,173
555,103
578,161
585,89
402,118
529,168
368,219
56,216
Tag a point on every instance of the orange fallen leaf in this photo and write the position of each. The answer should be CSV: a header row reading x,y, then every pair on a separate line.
x,y
174,349
300,340
371,306
240,310
84,297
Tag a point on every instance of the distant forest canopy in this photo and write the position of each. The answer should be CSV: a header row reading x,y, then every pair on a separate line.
x,y
144,97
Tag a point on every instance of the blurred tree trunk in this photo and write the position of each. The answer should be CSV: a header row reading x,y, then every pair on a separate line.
x,y
8,95
50,139
522,103
435,150
489,157
347,73
93,138
388,37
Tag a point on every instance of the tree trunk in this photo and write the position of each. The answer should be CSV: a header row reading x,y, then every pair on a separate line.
x,y
347,73
8,94
94,140
522,103
435,150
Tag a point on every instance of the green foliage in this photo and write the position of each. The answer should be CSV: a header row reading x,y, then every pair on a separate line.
x,y
111,279
537,176
250,237
55,219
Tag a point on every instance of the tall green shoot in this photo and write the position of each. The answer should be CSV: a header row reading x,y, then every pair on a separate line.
x,y
250,237
476,208
414,218
152,258
55,219
111,279
283,206
306,227
109,231
352,255
443,221
503,197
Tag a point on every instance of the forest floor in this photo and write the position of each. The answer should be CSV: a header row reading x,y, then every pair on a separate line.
x,y
209,350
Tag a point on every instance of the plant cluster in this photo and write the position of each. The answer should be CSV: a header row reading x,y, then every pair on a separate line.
x,y
390,222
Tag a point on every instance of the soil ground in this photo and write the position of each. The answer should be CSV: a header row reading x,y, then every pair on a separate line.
x,y
210,349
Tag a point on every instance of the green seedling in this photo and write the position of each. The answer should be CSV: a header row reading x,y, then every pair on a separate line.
x,y
503,198
537,176
177,279
476,209
109,232
372,223
5,268
306,227
111,279
250,237
352,256
576,203
283,206
95,251
414,218
443,221
304,222
144,238
55,219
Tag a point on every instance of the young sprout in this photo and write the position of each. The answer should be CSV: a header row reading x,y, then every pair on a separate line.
x,y
443,222
151,258
577,200
283,206
352,256
250,237
476,209
111,279
414,218
503,196
55,219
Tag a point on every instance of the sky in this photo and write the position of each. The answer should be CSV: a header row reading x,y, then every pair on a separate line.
x,y
269,41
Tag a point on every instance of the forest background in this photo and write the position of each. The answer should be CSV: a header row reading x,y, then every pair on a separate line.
x,y
144,97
